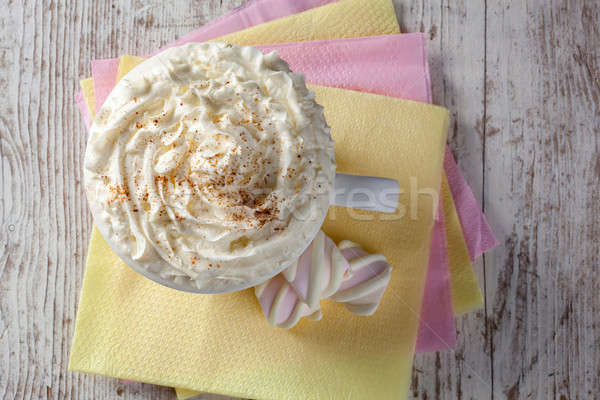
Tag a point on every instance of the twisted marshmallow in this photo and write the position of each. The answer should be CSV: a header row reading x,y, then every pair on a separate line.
x,y
344,273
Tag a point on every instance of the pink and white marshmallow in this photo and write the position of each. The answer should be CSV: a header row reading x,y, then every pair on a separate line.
x,y
344,273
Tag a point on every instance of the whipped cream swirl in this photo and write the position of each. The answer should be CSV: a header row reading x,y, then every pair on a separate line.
x,y
209,167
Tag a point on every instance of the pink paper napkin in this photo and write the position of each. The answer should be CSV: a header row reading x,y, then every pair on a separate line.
x,y
393,65
477,231
83,109
436,330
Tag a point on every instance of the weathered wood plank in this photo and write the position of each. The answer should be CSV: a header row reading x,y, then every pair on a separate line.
x,y
542,161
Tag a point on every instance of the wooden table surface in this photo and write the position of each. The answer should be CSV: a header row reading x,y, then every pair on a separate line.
x,y
522,80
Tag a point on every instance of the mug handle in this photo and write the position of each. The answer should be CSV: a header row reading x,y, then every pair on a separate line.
x,y
365,193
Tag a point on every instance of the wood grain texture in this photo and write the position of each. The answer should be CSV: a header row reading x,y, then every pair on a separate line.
x,y
522,79
542,160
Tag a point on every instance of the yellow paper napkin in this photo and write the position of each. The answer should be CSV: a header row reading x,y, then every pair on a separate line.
x,y
466,294
343,19
184,394
130,327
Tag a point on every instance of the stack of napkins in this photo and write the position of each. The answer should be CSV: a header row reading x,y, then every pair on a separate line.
x,y
374,85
